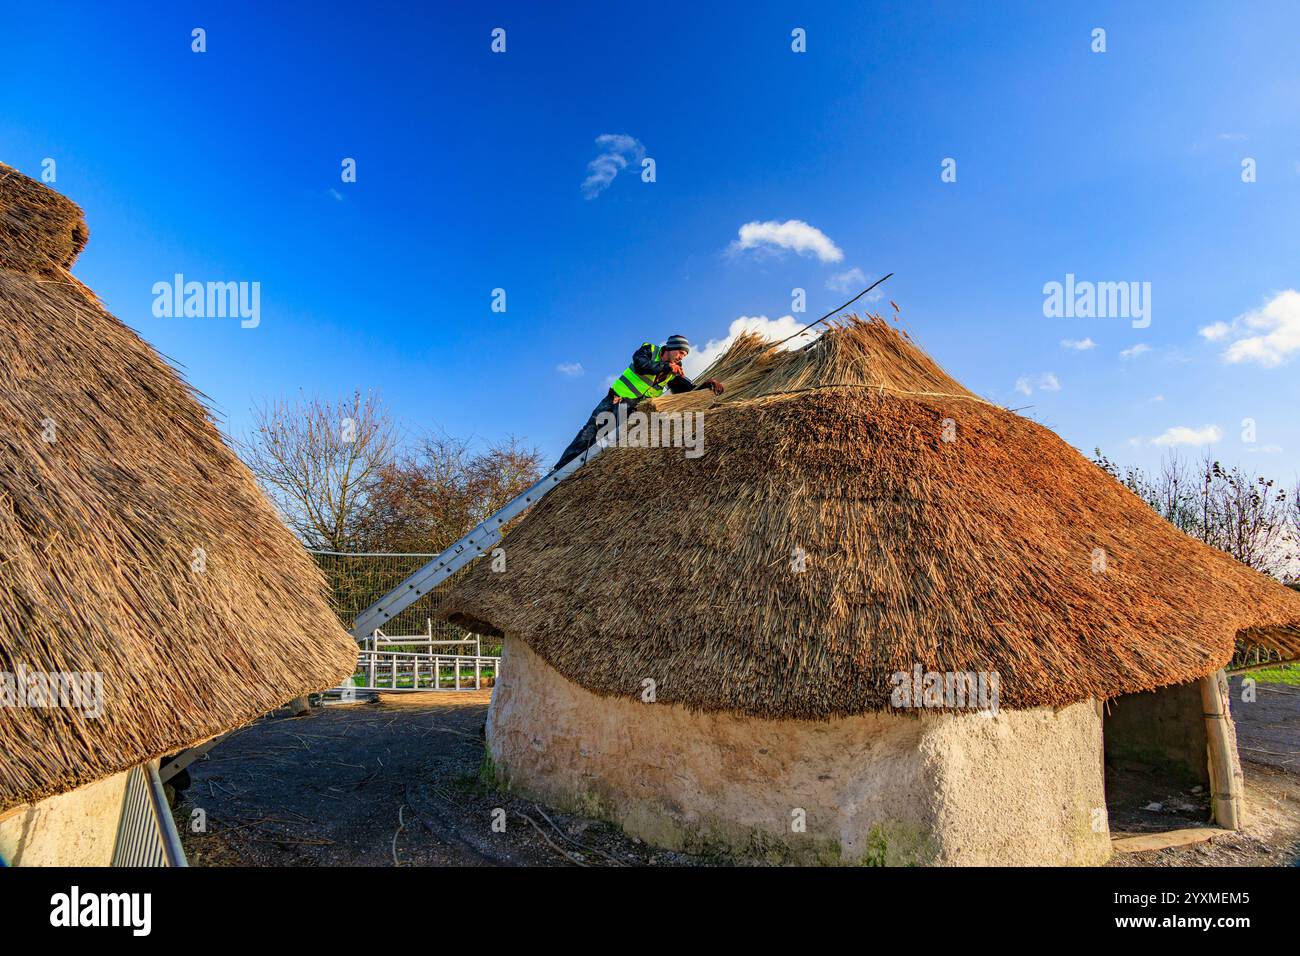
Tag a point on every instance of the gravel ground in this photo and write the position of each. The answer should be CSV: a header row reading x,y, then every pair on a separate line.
x,y
383,784
397,783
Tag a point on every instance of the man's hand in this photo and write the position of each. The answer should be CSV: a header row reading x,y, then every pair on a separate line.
x,y
714,384
676,369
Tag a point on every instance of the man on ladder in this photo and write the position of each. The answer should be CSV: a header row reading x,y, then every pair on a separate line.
x,y
653,368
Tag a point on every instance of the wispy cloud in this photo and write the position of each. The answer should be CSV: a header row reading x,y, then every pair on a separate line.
x,y
1268,336
770,329
1078,345
793,234
1046,382
1134,351
334,194
617,150
1186,435
1220,139
850,281
571,369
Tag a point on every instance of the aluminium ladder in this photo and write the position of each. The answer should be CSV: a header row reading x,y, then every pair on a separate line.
x,y
474,545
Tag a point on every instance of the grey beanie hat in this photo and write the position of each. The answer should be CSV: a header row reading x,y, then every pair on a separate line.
x,y
677,342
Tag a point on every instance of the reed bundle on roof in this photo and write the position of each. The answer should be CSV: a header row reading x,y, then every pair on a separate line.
x,y
935,528
133,543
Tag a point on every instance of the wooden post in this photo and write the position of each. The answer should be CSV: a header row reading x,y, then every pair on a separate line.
x,y
1227,786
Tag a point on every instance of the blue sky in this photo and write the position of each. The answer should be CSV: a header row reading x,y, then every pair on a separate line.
x,y
1117,166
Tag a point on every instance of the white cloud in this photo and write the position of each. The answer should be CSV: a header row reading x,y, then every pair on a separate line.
x,y
1078,345
793,234
850,281
1156,398
334,194
1184,435
617,149
771,329
1047,382
1135,351
1268,336
572,369
1279,323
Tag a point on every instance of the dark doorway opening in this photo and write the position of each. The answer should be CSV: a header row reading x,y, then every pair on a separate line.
x,y
1156,761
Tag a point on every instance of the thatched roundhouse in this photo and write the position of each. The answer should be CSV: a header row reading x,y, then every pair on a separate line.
x,y
150,598
860,533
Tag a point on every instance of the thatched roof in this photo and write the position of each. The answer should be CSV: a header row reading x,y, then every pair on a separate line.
x,y
99,529
970,555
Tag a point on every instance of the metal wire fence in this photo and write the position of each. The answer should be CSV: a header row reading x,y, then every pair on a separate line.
x,y
357,581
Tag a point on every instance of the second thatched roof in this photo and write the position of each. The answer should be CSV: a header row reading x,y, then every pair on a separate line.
x,y
134,545
935,529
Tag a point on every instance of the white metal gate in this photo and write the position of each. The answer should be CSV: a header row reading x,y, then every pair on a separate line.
x,y
421,665
146,833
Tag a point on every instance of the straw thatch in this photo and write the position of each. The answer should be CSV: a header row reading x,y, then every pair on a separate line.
x,y
975,554
99,529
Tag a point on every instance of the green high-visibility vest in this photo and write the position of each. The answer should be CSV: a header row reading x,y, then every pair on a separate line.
x,y
633,387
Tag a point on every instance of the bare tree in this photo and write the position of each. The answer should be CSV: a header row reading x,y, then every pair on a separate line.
x,y
427,498
319,460
1293,511
1238,512
1250,518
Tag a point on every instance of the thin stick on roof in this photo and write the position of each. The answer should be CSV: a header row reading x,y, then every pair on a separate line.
x,y
835,310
